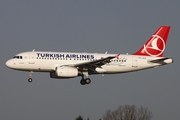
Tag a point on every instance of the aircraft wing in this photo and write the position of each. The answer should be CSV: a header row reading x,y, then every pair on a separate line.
x,y
91,65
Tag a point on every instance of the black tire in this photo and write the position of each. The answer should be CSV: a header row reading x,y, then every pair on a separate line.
x,y
83,82
30,80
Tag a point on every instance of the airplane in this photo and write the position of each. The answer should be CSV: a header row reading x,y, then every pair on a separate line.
x,y
64,65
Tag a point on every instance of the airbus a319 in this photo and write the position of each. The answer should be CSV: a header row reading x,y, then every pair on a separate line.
x,y
63,65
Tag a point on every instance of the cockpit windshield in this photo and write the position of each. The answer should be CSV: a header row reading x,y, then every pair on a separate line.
x,y
17,57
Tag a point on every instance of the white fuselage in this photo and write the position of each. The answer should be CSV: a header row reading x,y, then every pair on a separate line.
x,y
48,61
70,64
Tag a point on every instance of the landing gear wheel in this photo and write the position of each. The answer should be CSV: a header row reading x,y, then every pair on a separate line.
x,y
30,76
30,80
88,81
83,82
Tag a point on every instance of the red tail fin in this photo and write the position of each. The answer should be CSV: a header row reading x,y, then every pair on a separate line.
x,y
155,46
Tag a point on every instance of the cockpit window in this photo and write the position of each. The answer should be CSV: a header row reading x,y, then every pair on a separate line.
x,y
17,57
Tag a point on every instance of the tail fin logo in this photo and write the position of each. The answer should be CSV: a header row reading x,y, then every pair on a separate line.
x,y
155,46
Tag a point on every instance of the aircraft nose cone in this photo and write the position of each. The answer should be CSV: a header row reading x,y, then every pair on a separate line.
x,y
9,64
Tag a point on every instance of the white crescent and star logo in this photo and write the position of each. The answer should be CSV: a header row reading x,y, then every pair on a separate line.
x,y
155,46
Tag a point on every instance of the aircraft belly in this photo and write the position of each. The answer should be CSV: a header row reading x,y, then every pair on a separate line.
x,y
115,68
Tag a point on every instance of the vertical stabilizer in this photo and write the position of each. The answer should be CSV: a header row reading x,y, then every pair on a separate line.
x,y
155,46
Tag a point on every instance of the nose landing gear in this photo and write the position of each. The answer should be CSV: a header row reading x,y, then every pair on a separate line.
x,y
30,75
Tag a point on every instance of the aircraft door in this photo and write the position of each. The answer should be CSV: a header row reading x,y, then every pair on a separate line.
x,y
31,58
134,62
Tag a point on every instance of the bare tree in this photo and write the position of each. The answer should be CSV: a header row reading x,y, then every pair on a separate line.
x,y
79,118
128,112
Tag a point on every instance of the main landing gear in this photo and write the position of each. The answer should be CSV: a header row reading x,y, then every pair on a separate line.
x,y
85,80
30,75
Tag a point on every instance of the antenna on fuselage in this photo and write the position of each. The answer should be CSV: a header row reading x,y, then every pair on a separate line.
x,y
106,52
33,50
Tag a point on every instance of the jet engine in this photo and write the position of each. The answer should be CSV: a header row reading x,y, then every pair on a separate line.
x,y
64,72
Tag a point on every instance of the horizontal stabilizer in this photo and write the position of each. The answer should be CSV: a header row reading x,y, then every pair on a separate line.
x,y
162,61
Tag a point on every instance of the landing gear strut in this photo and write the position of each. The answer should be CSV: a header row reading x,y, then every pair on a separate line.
x,y
30,75
87,80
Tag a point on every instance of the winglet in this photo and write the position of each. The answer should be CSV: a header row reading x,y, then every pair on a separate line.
x,y
117,56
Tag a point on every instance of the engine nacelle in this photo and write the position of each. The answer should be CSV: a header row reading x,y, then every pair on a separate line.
x,y
64,72
100,70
